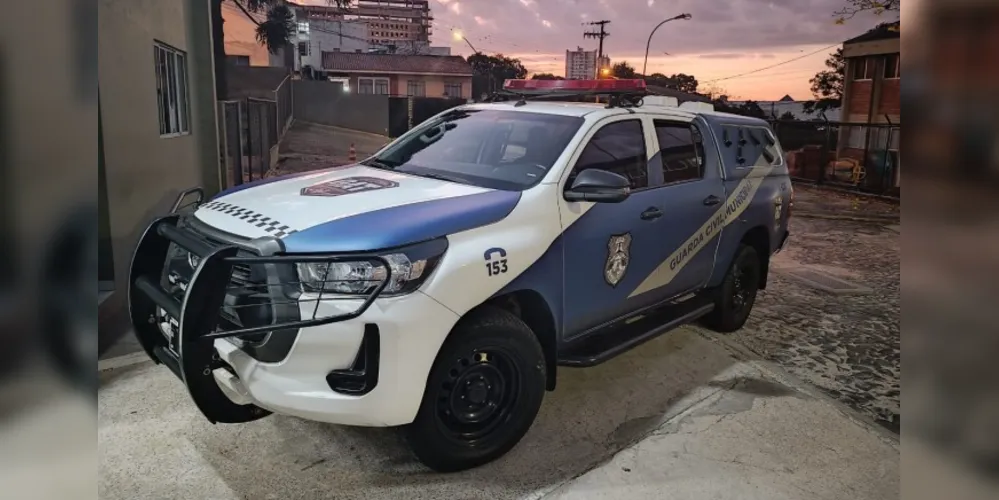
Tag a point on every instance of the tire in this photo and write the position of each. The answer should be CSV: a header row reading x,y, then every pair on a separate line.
x,y
737,293
482,395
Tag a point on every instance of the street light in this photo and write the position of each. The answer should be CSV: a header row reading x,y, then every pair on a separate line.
x,y
648,43
459,36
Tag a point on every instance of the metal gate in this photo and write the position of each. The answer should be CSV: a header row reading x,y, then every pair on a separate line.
x,y
250,134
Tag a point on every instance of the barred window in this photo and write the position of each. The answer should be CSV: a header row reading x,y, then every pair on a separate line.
x,y
171,90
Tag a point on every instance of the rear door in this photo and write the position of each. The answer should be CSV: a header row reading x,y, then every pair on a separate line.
x,y
692,193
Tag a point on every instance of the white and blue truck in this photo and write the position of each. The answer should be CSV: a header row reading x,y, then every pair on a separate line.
x,y
441,284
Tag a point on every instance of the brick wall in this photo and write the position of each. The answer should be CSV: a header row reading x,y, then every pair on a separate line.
x,y
891,98
860,97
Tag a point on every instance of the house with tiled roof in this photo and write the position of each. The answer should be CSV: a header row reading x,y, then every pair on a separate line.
x,y
400,75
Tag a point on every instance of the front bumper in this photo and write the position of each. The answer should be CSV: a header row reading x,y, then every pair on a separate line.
x,y
335,365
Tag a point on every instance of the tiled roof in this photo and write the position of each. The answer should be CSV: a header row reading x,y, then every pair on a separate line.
x,y
393,63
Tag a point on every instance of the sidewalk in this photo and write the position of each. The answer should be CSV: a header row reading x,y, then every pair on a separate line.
x,y
751,433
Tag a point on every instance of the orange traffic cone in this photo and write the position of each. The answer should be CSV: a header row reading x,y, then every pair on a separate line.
x,y
352,154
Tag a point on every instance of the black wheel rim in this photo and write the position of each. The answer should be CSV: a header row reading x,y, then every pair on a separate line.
x,y
478,395
743,286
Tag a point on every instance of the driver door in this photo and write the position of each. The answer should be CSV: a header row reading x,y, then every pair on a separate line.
x,y
609,248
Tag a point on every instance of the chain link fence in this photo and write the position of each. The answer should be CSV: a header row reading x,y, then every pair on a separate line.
x,y
862,157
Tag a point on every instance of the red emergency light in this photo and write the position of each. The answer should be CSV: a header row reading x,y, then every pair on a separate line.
x,y
574,86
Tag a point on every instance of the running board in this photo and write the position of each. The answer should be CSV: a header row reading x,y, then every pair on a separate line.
x,y
616,340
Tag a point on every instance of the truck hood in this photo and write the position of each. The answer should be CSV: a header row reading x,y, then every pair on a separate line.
x,y
355,208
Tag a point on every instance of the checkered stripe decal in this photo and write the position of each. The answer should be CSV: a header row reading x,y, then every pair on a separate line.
x,y
275,228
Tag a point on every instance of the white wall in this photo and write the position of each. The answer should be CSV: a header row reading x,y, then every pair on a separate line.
x,y
347,36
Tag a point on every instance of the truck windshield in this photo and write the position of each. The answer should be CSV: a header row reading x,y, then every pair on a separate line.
x,y
509,150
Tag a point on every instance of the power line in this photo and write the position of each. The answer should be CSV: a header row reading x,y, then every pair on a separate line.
x,y
757,70
599,35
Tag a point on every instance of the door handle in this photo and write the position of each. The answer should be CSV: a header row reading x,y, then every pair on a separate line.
x,y
651,213
712,200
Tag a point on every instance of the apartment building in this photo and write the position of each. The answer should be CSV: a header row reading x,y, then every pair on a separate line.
x,y
389,22
583,64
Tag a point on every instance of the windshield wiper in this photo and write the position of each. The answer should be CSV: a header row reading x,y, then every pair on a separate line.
x,y
374,162
439,177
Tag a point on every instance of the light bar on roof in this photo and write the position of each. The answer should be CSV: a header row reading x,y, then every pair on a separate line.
x,y
574,86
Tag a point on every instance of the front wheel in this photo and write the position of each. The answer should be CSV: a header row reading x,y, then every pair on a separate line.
x,y
482,395
737,293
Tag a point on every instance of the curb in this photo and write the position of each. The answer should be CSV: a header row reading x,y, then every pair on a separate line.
x,y
854,218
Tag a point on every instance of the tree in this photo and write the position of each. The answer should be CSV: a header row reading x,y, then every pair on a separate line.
x,y
546,76
827,86
878,7
274,32
788,116
683,83
623,70
490,71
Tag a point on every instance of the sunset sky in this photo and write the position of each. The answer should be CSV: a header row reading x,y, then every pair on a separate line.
x,y
723,39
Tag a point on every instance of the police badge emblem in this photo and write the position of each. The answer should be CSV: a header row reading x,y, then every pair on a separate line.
x,y
618,257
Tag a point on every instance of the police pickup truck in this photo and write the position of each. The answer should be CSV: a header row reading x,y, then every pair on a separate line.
x,y
440,284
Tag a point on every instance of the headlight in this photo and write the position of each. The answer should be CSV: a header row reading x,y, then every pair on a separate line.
x,y
409,269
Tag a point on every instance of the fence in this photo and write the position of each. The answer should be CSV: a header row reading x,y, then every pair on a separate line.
x,y
250,138
284,99
862,157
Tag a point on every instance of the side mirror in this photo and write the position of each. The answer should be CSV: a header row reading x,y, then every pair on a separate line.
x,y
599,186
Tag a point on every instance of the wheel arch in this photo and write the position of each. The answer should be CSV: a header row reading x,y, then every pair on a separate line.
x,y
533,309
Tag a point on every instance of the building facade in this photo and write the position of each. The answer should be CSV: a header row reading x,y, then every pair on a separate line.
x,y
400,75
158,133
872,95
389,22
583,64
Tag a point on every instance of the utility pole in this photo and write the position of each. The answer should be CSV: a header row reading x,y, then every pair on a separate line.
x,y
598,35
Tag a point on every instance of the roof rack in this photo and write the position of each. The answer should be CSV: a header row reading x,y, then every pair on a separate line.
x,y
620,93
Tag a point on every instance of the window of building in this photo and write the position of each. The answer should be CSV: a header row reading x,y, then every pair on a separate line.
x,y
856,137
416,88
377,86
452,89
171,90
236,60
303,48
892,66
864,68
620,148
303,27
681,151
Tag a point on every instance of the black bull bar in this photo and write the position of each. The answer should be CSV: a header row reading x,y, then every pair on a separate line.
x,y
190,353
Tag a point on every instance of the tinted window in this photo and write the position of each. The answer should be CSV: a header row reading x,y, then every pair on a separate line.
x,y
497,149
680,150
620,148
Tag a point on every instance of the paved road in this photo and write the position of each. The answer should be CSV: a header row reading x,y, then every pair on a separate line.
x,y
849,346
755,431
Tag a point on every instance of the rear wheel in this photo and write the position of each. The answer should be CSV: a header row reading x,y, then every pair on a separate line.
x,y
737,293
482,395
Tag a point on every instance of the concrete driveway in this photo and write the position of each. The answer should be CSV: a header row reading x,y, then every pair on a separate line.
x,y
311,146
154,444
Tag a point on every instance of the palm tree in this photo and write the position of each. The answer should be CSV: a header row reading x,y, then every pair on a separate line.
x,y
274,31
